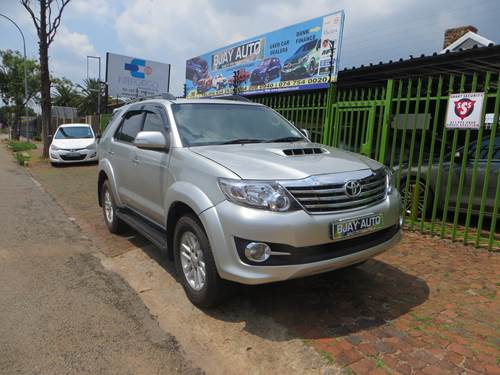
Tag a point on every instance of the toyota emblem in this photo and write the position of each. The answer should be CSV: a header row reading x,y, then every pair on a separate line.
x,y
352,188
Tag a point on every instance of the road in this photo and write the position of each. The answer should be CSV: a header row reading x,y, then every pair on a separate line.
x,y
61,311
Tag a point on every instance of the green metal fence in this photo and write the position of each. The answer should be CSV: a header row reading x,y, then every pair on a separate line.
x,y
449,179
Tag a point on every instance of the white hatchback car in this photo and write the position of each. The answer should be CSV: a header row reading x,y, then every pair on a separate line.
x,y
73,143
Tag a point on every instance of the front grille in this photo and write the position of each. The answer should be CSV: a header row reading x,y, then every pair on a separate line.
x,y
323,198
70,158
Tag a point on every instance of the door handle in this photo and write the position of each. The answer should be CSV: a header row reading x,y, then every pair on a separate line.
x,y
135,159
111,152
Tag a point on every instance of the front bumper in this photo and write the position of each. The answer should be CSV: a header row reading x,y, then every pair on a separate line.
x,y
78,156
226,222
257,79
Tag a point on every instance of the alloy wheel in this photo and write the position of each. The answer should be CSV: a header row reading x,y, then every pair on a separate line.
x,y
192,260
108,207
415,191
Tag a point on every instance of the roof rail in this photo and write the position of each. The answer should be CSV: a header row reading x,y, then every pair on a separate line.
x,y
163,95
238,98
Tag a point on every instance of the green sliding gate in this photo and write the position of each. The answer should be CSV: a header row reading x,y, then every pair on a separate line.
x,y
449,179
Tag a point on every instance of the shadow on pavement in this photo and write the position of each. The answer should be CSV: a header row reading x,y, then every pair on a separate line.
x,y
334,304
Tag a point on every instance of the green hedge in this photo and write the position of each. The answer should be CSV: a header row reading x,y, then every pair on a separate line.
x,y
19,146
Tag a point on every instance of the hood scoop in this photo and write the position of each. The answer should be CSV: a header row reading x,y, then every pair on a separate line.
x,y
303,151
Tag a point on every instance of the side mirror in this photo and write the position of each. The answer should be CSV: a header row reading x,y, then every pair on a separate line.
x,y
155,141
305,132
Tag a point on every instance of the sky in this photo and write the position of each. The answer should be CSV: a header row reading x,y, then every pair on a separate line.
x,y
173,31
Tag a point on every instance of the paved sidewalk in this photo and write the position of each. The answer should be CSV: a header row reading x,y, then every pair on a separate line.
x,y
61,312
426,307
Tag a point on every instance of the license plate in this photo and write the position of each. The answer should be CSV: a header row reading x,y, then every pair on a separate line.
x,y
356,226
73,154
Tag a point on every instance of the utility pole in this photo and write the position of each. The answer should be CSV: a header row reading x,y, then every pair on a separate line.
x,y
25,71
332,53
98,58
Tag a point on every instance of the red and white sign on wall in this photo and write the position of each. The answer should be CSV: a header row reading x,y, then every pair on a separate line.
x,y
464,110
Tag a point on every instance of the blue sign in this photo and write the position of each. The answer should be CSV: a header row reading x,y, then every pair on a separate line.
x,y
298,57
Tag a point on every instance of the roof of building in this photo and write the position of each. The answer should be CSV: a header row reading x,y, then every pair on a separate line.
x,y
476,59
466,41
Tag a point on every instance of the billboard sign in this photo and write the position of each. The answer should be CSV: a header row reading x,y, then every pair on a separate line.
x,y
297,57
132,77
464,110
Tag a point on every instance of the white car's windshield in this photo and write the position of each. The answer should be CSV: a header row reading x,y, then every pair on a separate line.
x,y
208,124
71,132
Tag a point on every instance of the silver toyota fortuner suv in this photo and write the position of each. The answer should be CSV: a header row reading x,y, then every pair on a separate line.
x,y
235,193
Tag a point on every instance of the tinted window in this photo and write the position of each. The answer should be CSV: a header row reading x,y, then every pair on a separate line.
x,y
307,47
131,125
153,122
483,152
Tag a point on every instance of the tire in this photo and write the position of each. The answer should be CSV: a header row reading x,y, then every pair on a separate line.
x,y
203,291
418,189
312,67
114,224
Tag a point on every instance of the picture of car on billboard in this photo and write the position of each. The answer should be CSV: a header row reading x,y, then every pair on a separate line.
x,y
298,57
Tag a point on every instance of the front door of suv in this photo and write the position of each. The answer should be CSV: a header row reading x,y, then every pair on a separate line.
x,y
124,155
151,171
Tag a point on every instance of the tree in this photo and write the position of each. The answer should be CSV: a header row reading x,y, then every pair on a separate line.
x,y
12,84
89,94
46,27
65,93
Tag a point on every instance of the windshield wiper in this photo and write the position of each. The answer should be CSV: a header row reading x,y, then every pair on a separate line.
x,y
286,139
242,141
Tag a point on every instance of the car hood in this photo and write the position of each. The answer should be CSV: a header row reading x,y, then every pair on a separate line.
x,y
268,162
73,143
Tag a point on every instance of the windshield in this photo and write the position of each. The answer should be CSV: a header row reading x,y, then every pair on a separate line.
x,y
70,132
306,47
209,124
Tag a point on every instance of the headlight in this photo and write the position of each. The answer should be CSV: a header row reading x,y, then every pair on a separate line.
x,y
258,194
388,180
92,147
54,148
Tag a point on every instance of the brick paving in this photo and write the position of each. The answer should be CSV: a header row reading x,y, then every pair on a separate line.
x,y
426,307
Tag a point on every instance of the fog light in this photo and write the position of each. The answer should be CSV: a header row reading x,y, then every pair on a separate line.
x,y
54,156
257,251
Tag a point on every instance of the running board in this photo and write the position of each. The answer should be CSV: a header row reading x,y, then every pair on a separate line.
x,y
149,230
